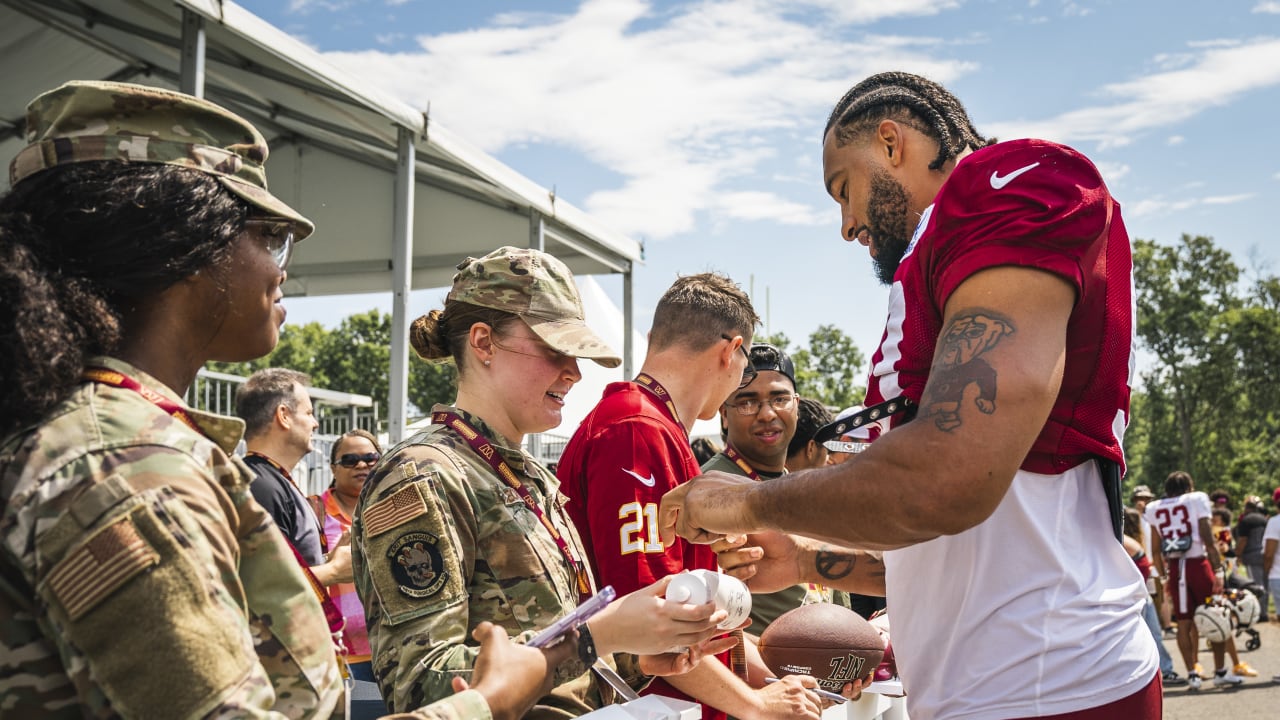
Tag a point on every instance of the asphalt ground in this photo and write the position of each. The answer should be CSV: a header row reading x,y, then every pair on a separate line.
x,y
1257,699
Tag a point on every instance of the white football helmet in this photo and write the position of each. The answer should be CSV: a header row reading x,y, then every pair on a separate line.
x,y
1213,622
1245,606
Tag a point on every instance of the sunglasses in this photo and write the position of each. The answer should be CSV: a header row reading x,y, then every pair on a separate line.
x,y
279,236
350,460
748,372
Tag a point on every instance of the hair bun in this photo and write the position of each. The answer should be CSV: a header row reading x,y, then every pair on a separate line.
x,y
427,336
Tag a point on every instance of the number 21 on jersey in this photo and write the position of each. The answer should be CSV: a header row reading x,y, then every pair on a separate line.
x,y
640,531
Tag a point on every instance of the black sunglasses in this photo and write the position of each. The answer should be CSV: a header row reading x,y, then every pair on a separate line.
x,y
350,460
748,372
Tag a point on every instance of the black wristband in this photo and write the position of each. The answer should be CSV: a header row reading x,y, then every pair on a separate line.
x,y
586,646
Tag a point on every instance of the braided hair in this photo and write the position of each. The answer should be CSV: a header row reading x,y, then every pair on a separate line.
x,y
912,100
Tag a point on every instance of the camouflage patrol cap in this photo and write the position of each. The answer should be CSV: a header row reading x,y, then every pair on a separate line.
x,y
83,121
540,290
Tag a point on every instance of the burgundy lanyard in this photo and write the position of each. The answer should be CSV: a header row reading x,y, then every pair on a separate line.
x,y
117,379
733,455
487,451
654,388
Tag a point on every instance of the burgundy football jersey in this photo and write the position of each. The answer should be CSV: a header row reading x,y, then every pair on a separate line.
x,y
1042,205
627,453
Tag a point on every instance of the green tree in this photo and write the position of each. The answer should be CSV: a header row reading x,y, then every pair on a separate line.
x,y
299,349
431,383
829,369
1182,293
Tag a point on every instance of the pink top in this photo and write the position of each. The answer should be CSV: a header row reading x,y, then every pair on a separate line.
x,y
354,634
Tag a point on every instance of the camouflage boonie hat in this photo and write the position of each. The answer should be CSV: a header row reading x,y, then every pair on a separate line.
x,y
83,121
540,290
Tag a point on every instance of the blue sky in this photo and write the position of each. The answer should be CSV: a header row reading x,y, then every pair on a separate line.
x,y
695,126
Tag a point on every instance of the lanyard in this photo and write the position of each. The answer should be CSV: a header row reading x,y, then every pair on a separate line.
x,y
117,379
283,471
733,455
486,450
654,388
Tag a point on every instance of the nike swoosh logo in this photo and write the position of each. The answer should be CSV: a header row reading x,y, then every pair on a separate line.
x,y
998,182
646,481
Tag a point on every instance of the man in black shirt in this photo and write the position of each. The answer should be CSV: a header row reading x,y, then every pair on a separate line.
x,y
279,423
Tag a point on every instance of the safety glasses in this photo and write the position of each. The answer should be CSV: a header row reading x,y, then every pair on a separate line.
x,y
278,234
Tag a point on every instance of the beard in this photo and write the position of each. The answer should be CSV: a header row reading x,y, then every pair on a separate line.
x,y
887,223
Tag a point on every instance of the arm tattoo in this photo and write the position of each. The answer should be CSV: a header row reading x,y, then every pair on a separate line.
x,y
839,564
959,364
834,565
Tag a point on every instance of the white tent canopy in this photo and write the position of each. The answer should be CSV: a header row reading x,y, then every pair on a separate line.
x,y
398,200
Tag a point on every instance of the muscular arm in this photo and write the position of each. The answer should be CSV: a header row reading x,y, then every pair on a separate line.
x,y
941,475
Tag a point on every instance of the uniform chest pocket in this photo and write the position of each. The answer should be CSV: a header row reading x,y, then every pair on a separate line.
x,y
518,554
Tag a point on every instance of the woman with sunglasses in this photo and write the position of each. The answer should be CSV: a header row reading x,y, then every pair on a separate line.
x,y
457,525
140,578
351,458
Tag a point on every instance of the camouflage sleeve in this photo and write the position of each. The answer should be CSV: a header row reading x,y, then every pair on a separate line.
x,y
438,546
412,558
466,705
137,579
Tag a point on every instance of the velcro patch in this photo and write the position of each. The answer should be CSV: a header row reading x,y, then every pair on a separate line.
x,y
106,561
404,505
408,470
416,564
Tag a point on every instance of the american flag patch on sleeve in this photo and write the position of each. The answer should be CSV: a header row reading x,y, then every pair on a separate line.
x,y
91,572
405,505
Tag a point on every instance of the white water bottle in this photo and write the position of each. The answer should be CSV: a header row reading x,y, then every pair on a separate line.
x,y
701,586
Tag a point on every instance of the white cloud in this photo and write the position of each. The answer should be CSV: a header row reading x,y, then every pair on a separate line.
x,y
1270,7
1112,172
306,6
1215,77
1175,140
678,102
1074,10
869,11
1158,204
1227,199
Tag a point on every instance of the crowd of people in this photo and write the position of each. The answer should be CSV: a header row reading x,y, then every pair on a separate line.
x,y
148,570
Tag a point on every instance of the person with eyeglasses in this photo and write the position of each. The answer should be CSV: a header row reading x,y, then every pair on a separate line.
x,y
351,457
138,241
634,446
458,526
761,420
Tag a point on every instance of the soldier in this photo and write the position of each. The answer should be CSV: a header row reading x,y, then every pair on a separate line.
x,y
138,578
457,525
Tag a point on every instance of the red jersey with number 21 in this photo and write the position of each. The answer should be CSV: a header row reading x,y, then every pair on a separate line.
x,y
627,453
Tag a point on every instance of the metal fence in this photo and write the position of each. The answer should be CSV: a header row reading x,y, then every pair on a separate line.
x,y
337,413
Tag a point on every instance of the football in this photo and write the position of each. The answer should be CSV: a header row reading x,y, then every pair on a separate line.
x,y
831,643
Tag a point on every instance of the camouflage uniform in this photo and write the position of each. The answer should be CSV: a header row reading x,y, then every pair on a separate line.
x,y
766,607
138,577
466,705
490,559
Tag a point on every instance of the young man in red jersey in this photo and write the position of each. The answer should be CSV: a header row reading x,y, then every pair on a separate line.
x,y
634,446
1010,333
